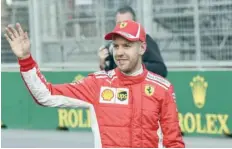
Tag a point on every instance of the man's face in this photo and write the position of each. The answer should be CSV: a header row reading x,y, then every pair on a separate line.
x,y
120,17
127,54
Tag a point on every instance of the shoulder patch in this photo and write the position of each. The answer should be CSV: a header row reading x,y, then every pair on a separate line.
x,y
159,79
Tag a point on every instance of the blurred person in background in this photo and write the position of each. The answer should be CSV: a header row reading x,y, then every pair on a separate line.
x,y
152,57
128,105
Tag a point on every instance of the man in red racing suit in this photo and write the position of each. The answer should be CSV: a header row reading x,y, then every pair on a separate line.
x,y
129,106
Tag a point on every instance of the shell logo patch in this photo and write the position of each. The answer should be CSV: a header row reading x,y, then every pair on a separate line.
x,y
149,90
107,95
111,95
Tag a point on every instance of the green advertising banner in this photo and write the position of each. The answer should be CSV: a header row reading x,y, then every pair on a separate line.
x,y
204,101
19,110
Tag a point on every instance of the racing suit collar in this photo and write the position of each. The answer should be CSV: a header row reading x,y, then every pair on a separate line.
x,y
130,80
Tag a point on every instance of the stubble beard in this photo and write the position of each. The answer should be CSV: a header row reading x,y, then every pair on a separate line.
x,y
131,68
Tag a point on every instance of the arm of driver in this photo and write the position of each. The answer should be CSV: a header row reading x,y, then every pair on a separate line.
x,y
62,95
169,121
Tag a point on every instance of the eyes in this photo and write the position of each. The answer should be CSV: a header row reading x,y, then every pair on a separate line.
x,y
125,46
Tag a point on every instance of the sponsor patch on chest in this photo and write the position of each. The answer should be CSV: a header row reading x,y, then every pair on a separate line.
x,y
114,95
122,96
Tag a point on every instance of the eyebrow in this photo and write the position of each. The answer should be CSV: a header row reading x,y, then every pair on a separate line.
x,y
123,43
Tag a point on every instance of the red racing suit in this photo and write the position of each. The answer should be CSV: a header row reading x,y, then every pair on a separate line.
x,y
126,111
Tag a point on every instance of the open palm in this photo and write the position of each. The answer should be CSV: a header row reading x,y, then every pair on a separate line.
x,y
18,40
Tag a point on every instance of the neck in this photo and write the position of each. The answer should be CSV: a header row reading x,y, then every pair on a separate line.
x,y
135,73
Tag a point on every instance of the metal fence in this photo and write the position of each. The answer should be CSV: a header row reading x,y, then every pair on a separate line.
x,y
67,33
194,32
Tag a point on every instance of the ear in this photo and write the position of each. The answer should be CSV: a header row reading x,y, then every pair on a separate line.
x,y
143,47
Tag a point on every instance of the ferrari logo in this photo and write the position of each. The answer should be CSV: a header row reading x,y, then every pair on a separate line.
x,y
123,24
149,90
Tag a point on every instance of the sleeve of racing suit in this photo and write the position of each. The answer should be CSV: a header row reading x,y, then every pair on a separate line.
x,y
61,95
172,137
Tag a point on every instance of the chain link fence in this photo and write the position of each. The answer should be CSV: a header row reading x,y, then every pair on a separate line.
x,y
194,32
72,31
67,34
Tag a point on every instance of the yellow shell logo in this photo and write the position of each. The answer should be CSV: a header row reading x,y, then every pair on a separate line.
x,y
107,94
199,89
123,24
78,78
149,90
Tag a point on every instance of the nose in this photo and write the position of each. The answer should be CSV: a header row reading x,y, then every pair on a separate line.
x,y
119,51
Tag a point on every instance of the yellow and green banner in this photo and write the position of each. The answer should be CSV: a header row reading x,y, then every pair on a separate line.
x,y
204,101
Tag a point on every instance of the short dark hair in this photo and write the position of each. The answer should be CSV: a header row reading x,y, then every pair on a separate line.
x,y
126,9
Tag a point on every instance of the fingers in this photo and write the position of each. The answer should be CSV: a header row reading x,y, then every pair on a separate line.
x,y
106,52
19,29
7,38
9,33
25,35
103,53
13,31
102,48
